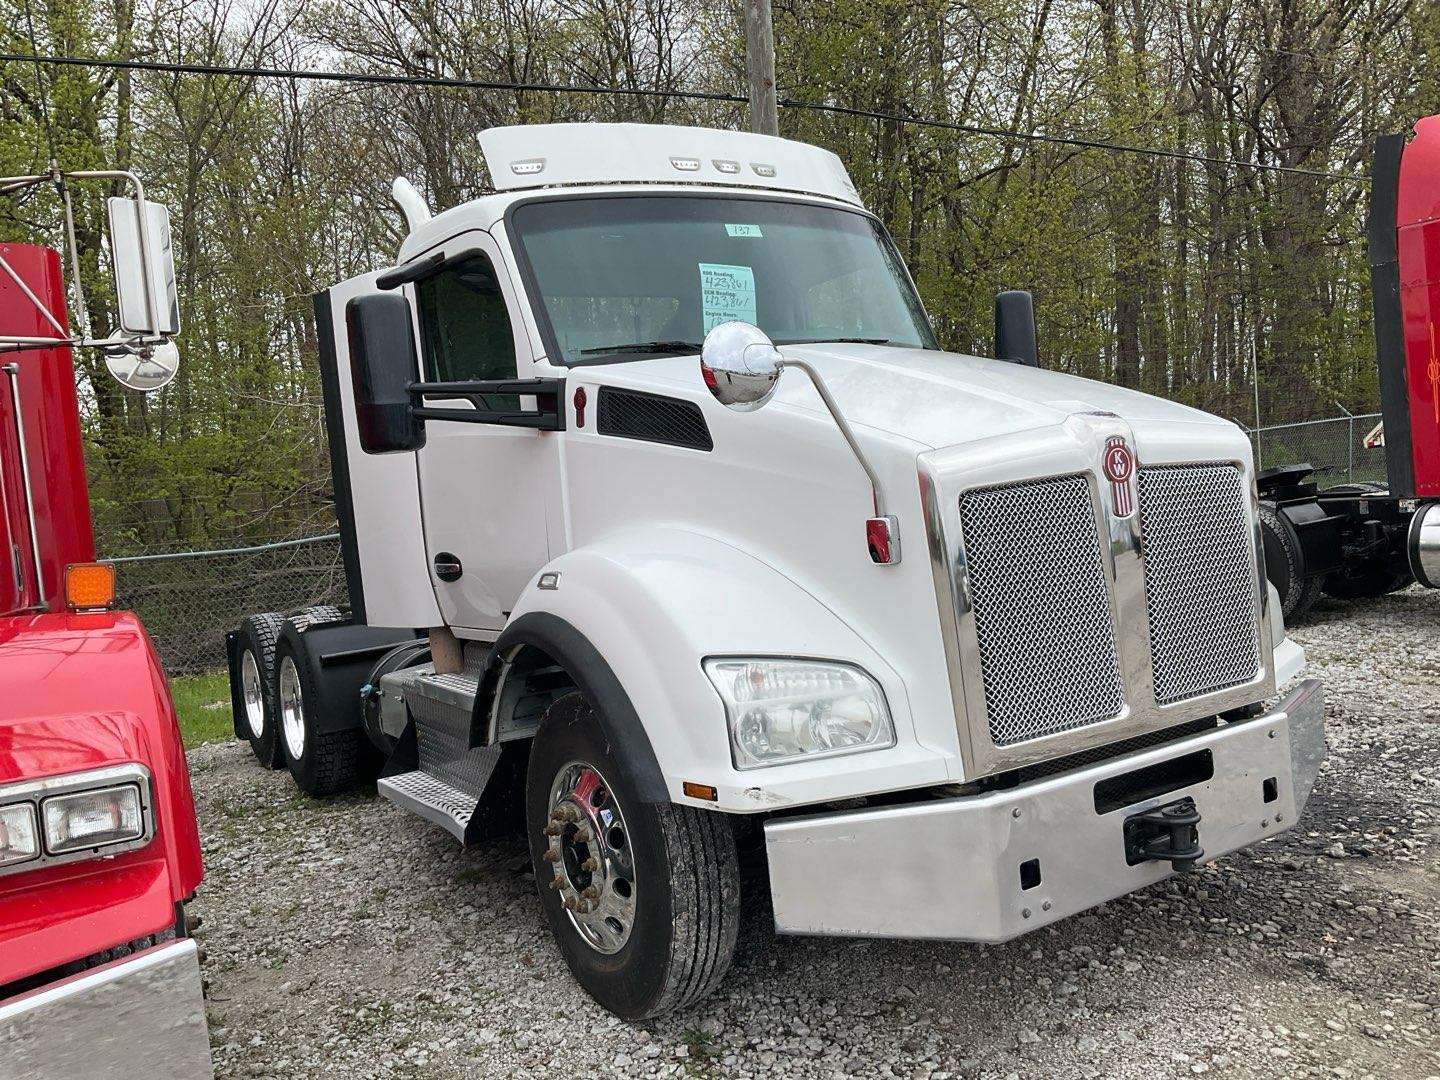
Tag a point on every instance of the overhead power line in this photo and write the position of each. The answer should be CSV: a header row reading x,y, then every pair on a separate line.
x,y
684,95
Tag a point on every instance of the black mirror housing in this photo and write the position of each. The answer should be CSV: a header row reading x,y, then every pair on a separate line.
x,y
383,365
1015,328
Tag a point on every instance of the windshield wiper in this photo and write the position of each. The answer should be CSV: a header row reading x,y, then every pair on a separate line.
x,y
645,347
838,341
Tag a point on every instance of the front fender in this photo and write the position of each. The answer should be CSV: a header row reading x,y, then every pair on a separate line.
x,y
655,603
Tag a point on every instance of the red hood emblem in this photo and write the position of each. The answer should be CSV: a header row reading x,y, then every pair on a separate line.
x,y
1119,466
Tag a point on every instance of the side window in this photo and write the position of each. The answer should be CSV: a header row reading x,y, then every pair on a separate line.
x,y
464,325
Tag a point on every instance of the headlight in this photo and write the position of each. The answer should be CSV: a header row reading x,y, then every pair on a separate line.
x,y
780,710
92,819
19,838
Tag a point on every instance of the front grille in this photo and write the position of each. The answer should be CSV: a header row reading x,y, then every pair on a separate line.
x,y
1200,579
1041,608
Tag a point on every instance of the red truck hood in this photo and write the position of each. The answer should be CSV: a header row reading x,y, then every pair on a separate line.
x,y
80,692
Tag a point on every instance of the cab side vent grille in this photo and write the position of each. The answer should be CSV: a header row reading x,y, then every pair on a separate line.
x,y
630,414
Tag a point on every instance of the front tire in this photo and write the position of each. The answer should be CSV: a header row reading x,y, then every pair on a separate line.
x,y
643,898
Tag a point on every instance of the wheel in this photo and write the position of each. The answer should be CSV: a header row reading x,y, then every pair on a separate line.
x,y
1282,566
322,763
643,898
258,637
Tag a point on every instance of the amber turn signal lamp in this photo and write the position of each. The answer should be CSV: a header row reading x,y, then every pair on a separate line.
x,y
701,791
89,586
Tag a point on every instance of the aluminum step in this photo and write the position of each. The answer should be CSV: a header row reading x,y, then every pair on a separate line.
x,y
431,798
452,774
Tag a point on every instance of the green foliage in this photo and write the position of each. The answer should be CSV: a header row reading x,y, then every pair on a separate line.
x,y
202,703
1205,282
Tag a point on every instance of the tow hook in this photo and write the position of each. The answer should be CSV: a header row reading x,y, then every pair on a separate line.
x,y
1169,833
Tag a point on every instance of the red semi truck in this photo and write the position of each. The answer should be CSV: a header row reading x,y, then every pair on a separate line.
x,y
1369,539
99,848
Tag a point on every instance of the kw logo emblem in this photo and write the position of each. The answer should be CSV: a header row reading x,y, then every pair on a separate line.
x,y
1119,466
1433,370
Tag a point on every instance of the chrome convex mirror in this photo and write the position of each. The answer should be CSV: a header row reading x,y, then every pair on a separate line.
x,y
740,365
142,368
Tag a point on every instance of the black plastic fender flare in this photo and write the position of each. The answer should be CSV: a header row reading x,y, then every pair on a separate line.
x,y
594,678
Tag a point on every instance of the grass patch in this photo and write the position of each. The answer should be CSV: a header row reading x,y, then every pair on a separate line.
x,y
203,705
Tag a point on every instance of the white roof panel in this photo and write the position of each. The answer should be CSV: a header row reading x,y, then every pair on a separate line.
x,y
548,155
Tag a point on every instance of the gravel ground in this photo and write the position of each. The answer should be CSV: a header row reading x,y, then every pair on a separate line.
x,y
348,938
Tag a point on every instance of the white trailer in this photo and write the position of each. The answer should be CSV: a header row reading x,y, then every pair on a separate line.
x,y
667,523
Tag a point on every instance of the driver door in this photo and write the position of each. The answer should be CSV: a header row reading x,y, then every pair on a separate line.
x,y
485,489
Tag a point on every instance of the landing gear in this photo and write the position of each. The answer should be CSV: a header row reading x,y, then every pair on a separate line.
x,y
643,898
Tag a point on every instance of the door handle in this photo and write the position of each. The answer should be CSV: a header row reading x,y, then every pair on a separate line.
x,y
447,566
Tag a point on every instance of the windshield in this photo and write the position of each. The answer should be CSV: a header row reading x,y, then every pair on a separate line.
x,y
631,277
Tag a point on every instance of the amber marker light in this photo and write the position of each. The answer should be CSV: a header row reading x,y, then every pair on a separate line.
x,y
701,791
89,586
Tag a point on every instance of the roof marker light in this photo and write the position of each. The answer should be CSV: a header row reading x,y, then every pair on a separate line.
x,y
723,166
762,169
527,168
686,164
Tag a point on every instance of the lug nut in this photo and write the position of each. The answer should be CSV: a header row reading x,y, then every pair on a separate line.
x,y
571,904
553,829
591,864
583,835
551,855
592,892
557,883
585,907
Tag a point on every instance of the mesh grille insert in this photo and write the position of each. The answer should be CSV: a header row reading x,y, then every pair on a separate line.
x,y
633,415
1200,579
1042,608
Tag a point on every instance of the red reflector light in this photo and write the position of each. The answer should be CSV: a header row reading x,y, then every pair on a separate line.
x,y
882,536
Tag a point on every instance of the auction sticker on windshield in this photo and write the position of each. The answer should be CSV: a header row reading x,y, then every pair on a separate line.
x,y
726,293
744,230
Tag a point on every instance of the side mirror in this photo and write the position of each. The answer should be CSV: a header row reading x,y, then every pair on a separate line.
x,y
1015,328
383,364
740,365
143,256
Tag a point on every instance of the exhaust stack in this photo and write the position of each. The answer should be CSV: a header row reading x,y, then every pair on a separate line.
x,y
411,202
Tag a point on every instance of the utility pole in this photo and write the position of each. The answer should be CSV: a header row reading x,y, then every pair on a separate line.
x,y
760,67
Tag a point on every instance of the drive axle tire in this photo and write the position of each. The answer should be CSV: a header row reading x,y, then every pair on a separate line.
x,y
259,634
1282,566
643,898
322,763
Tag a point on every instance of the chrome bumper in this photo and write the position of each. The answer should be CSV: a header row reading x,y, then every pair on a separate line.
x,y
951,868
143,1016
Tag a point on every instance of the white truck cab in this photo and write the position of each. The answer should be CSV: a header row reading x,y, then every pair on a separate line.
x,y
669,528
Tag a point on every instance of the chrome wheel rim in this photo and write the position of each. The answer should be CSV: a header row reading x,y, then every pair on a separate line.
x,y
292,709
251,694
587,844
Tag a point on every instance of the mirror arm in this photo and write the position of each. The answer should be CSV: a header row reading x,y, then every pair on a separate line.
x,y
845,430
548,416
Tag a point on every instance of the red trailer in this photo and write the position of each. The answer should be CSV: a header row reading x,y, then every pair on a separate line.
x,y
99,848
1361,540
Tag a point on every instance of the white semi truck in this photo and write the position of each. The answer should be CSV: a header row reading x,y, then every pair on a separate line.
x,y
667,526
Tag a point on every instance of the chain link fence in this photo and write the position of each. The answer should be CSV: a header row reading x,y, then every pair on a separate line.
x,y
189,599
1335,447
